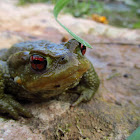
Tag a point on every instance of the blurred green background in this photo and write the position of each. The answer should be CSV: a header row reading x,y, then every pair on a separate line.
x,y
120,13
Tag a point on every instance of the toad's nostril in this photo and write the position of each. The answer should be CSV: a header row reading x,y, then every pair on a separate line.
x,y
63,59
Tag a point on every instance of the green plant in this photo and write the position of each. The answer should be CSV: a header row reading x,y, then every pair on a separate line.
x,y
86,7
136,25
135,135
22,2
77,8
58,7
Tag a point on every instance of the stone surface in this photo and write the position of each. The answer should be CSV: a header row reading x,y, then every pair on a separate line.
x,y
113,113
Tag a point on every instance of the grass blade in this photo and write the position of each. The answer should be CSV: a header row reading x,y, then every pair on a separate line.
x,y
135,135
58,7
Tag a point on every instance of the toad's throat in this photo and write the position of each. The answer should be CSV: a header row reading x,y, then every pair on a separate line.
x,y
55,83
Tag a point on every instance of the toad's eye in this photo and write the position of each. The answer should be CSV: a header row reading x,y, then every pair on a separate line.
x,y
83,49
38,62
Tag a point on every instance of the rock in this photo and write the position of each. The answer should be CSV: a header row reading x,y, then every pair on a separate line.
x,y
113,113
13,130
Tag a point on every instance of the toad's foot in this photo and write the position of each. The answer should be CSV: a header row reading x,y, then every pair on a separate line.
x,y
84,97
13,108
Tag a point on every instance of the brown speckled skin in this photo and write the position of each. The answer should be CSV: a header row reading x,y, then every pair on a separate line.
x,y
66,68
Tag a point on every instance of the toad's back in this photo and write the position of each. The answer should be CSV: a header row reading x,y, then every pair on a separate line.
x,y
42,45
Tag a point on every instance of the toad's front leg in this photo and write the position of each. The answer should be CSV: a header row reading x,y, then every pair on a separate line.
x,y
12,107
87,86
7,103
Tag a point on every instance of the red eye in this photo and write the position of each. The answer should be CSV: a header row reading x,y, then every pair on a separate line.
x,y
83,49
38,62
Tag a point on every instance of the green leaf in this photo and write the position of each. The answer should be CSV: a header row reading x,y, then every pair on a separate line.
x,y
58,7
135,135
136,25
